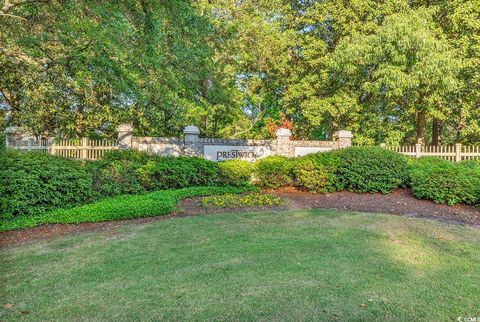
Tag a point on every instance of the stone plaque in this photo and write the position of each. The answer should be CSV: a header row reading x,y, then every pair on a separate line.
x,y
227,152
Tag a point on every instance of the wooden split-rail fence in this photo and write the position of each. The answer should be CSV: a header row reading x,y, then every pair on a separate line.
x,y
81,149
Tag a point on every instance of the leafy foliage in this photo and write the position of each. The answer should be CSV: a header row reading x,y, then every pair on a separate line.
x,y
391,71
177,172
118,172
115,208
445,182
239,201
32,183
317,172
274,172
370,169
236,172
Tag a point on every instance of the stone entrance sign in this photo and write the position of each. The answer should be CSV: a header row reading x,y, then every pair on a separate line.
x,y
227,152
216,149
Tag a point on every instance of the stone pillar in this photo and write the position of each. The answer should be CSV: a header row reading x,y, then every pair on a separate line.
x,y
283,144
191,133
124,136
190,139
343,138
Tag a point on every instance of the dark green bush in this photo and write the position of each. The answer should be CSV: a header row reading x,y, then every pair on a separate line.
x,y
445,182
370,169
236,172
32,182
118,172
178,172
316,172
274,172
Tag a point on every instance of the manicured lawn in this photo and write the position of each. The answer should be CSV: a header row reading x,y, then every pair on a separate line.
x,y
296,265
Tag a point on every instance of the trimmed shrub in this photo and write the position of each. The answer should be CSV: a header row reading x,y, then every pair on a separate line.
x,y
445,182
177,172
316,172
32,182
117,172
236,172
111,178
370,169
274,172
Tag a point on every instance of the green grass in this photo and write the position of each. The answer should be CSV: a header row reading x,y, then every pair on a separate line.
x,y
120,207
295,265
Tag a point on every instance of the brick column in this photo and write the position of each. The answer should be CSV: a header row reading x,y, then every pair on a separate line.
x,y
343,138
124,136
283,144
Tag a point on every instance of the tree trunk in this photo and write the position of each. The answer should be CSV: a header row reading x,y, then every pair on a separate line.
x,y
335,126
421,124
436,132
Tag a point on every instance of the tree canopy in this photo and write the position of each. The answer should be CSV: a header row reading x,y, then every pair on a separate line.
x,y
391,71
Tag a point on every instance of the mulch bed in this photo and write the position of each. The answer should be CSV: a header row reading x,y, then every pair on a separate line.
x,y
400,202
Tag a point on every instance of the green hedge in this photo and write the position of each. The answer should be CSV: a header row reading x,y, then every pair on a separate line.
x,y
33,183
274,172
317,172
445,182
370,169
120,207
178,172
236,172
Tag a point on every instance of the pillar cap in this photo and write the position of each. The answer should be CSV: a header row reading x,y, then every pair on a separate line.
x,y
283,132
343,134
191,129
13,129
125,127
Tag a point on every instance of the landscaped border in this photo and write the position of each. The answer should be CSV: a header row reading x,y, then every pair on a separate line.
x,y
120,207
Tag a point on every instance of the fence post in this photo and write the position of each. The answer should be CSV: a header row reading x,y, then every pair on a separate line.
x,y
52,147
29,145
458,152
84,154
418,150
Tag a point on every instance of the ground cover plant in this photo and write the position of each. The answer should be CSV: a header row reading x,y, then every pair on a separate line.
x,y
239,201
155,203
306,265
